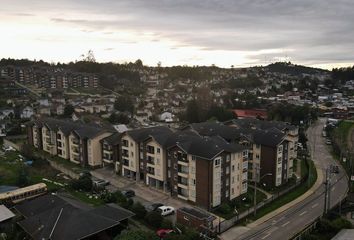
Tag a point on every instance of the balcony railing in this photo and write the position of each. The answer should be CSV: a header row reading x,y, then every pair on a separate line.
x,y
126,162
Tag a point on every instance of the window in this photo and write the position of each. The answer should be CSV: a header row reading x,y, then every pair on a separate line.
x,y
158,150
279,169
169,173
233,168
227,182
131,144
227,170
175,166
257,146
257,156
227,193
279,159
227,158
232,191
280,148
193,158
233,180
132,154
217,162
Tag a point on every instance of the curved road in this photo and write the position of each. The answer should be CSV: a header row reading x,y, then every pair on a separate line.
x,y
291,221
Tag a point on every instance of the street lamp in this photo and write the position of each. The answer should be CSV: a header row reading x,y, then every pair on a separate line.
x,y
255,191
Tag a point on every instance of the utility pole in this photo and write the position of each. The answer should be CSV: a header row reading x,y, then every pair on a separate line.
x,y
255,192
326,192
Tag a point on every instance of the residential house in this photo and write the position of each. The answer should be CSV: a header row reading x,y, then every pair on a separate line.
x,y
27,112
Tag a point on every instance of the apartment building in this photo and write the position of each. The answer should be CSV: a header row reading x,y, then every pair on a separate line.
x,y
49,77
76,142
261,138
206,171
273,148
110,151
137,153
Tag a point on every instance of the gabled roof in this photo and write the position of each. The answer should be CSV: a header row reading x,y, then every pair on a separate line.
x,y
68,126
215,129
269,138
202,146
142,134
114,139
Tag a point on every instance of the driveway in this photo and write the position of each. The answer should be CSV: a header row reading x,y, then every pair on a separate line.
x,y
144,194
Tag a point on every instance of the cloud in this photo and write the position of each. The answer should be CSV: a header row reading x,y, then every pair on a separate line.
x,y
316,30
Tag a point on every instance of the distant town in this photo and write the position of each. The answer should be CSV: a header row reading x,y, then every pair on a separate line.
x,y
126,151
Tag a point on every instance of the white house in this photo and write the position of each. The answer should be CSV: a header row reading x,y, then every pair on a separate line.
x,y
27,112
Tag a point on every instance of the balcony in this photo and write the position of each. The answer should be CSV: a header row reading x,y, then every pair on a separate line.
x,y
150,149
182,180
125,153
126,162
75,142
150,160
125,143
150,170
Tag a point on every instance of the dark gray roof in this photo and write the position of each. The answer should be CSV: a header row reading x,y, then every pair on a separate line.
x,y
203,146
67,126
114,139
261,124
268,138
216,128
60,220
142,134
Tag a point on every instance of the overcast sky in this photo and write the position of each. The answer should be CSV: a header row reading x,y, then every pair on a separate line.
x,y
181,32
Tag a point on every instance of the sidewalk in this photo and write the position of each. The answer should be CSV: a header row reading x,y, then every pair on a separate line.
x,y
290,204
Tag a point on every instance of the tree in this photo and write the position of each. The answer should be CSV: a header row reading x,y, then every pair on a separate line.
x,y
68,110
154,219
139,210
116,118
83,183
124,104
23,178
136,235
89,57
192,114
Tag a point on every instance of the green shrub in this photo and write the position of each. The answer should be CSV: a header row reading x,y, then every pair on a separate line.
x,y
154,219
139,210
225,208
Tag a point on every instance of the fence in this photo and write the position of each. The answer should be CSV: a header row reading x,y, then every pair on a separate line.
x,y
228,223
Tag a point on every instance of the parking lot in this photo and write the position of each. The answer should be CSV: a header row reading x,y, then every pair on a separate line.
x,y
144,194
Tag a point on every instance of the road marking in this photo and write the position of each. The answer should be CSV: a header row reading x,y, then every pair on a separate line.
x,y
302,213
315,205
266,236
281,218
285,224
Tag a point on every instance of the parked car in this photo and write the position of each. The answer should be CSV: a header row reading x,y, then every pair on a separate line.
x,y
166,210
153,207
128,193
162,233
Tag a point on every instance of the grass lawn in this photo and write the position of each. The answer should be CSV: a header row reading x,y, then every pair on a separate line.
x,y
242,203
295,193
85,197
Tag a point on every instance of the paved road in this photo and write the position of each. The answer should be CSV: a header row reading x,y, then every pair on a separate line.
x,y
289,222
